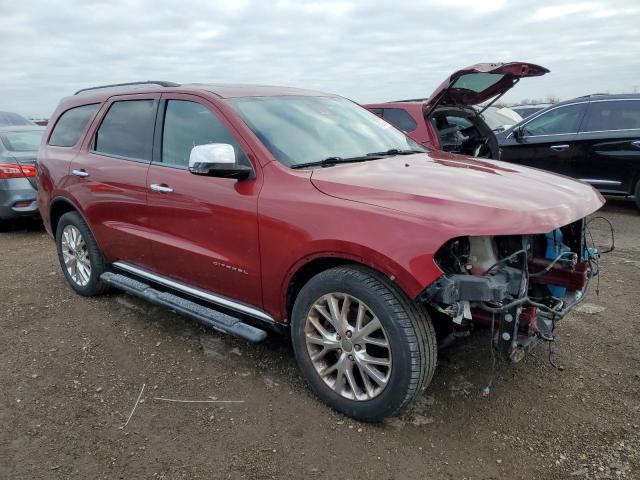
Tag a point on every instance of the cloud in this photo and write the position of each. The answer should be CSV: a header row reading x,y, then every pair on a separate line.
x,y
369,50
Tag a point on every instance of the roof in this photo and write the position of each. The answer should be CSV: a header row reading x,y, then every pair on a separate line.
x,y
602,96
101,93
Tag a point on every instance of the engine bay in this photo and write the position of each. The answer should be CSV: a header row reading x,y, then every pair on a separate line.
x,y
520,286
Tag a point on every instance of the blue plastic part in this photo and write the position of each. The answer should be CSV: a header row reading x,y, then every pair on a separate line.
x,y
555,247
591,252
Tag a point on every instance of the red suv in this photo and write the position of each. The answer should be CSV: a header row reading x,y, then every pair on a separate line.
x,y
251,208
451,118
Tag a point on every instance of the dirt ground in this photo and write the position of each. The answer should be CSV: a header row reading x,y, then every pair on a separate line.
x,y
71,370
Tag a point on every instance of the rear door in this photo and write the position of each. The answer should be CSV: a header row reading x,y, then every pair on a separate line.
x,y
609,142
547,140
204,229
109,177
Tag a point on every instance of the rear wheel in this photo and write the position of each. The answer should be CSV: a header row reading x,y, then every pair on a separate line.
x,y
81,260
364,347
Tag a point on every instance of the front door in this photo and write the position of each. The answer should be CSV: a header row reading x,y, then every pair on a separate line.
x,y
547,141
204,229
110,175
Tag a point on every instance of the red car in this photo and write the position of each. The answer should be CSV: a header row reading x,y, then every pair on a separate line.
x,y
252,208
447,120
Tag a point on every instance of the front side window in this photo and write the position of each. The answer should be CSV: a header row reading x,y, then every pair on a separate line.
x,y
71,124
24,141
400,119
301,129
127,130
561,120
613,115
187,124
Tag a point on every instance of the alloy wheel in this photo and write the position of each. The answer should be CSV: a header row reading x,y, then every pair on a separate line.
x,y
348,346
76,255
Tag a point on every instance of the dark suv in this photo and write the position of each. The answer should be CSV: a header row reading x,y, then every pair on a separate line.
x,y
594,138
253,208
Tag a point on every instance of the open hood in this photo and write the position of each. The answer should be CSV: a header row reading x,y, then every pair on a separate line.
x,y
481,82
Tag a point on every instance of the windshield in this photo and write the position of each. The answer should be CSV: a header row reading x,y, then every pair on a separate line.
x,y
497,120
11,119
28,141
477,82
300,129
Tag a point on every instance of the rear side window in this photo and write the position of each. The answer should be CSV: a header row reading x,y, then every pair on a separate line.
x,y
614,115
127,130
71,124
187,124
562,120
400,119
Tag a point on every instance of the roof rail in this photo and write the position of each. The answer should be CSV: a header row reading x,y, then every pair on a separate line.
x,y
409,100
161,83
594,95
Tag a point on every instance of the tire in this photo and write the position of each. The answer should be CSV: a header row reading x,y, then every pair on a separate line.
x,y
87,281
405,327
637,194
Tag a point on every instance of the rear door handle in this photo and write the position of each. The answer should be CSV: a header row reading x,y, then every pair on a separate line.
x,y
559,148
80,173
161,188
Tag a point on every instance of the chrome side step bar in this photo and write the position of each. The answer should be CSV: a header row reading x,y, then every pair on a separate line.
x,y
207,316
196,292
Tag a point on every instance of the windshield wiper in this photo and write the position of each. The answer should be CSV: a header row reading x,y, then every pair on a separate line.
x,y
394,151
331,161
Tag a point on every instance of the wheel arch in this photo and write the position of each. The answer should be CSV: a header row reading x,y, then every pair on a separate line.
x,y
60,206
310,265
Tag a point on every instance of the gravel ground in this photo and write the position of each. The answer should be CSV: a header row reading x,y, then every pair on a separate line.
x,y
71,370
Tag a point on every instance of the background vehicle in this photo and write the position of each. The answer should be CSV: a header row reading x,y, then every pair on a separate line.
x,y
594,138
447,120
525,111
254,208
10,119
500,118
18,148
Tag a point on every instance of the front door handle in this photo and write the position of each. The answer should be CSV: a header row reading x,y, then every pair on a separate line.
x,y
559,148
156,187
80,173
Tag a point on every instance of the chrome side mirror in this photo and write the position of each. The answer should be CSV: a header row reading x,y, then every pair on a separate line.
x,y
217,160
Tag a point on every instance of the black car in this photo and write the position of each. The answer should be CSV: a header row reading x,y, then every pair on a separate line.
x,y
595,138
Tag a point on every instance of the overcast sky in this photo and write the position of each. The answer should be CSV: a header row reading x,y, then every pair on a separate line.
x,y
365,50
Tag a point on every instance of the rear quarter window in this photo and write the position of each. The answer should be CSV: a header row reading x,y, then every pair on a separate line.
x,y
400,119
71,124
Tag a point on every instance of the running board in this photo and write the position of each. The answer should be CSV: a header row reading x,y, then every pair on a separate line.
x,y
207,316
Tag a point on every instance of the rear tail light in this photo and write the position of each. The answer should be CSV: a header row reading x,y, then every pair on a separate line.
x,y
13,170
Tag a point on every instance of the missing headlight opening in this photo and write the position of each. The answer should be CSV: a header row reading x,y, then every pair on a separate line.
x,y
522,285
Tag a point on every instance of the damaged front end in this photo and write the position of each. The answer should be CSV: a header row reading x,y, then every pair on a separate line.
x,y
519,285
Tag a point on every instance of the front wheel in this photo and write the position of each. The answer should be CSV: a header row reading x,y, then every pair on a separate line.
x,y
81,260
364,347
